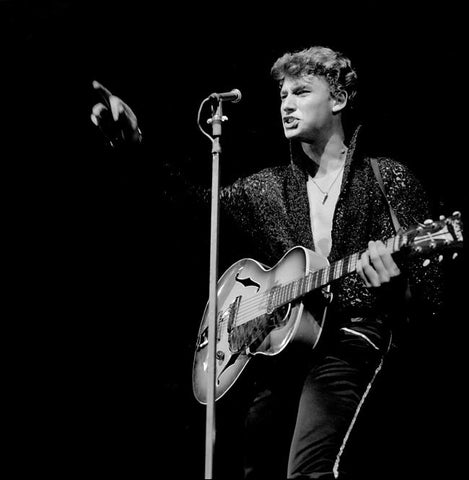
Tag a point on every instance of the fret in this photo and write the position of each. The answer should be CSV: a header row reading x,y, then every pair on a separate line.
x,y
343,267
343,264
349,264
298,290
280,295
294,289
276,299
337,268
331,274
321,277
284,294
353,262
304,284
315,280
346,264
325,276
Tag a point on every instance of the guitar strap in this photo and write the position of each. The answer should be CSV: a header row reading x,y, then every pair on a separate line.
x,y
397,227
375,166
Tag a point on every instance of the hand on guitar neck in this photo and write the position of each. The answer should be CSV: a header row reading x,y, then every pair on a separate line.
x,y
376,265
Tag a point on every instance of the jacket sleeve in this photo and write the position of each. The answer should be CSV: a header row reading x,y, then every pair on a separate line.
x,y
425,273
190,200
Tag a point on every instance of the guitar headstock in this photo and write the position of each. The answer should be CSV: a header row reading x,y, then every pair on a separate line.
x,y
436,234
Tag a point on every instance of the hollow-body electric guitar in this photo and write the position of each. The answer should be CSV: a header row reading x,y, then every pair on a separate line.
x,y
260,309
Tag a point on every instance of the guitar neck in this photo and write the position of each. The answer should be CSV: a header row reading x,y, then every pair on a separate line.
x,y
296,289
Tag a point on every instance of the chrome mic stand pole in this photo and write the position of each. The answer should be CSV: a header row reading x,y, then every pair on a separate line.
x,y
216,122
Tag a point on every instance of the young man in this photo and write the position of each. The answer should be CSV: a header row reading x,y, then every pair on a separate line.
x,y
304,403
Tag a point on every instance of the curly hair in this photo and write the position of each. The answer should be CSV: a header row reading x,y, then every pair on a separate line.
x,y
319,61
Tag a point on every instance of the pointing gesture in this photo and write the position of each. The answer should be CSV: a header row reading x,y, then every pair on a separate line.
x,y
114,118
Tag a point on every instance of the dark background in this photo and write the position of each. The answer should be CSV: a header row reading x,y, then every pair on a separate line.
x,y
112,282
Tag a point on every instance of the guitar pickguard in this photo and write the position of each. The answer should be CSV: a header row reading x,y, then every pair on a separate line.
x,y
249,336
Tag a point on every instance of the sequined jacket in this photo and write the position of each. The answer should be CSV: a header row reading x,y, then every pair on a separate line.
x,y
270,210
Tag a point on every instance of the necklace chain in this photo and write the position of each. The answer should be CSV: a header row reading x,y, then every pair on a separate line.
x,y
326,193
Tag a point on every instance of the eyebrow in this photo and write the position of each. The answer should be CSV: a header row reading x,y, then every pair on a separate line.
x,y
300,83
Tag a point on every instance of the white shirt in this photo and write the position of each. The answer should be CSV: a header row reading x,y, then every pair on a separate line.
x,y
322,214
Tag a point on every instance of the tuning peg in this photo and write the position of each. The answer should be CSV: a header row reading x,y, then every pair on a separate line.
x,y
426,262
440,258
455,254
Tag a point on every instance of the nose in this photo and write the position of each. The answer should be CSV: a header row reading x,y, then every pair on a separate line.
x,y
288,104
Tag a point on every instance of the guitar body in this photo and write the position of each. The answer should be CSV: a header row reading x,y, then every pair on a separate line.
x,y
246,324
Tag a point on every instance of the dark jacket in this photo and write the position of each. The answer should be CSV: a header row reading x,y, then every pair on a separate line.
x,y
271,209
267,213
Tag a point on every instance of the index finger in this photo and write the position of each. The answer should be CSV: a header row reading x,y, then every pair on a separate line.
x,y
103,91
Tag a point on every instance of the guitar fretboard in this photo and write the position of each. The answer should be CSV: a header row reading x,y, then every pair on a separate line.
x,y
284,294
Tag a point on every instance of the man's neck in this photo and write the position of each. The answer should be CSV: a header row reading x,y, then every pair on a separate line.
x,y
328,155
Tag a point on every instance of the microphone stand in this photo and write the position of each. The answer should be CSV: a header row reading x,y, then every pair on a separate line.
x,y
216,122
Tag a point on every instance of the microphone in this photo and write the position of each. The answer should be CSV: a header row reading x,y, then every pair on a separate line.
x,y
232,96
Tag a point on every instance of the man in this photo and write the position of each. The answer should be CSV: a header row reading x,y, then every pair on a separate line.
x,y
304,403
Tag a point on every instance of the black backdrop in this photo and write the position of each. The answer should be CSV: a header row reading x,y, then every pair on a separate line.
x,y
112,283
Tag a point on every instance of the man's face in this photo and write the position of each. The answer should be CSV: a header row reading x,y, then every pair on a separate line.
x,y
306,107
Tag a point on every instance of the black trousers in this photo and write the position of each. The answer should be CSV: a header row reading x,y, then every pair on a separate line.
x,y
306,404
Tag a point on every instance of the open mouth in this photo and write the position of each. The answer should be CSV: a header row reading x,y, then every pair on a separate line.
x,y
290,122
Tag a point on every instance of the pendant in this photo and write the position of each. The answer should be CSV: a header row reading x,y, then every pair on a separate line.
x,y
325,198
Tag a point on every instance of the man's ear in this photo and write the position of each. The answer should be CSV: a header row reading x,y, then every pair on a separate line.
x,y
339,101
